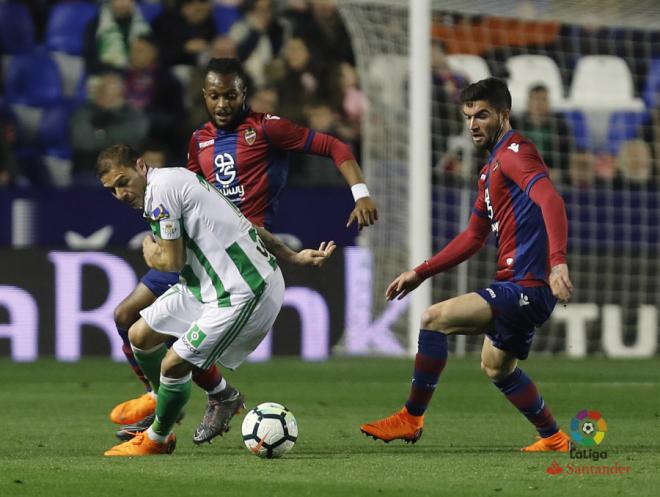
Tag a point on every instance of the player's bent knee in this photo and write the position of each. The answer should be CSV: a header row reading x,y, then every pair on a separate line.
x,y
125,315
138,334
435,318
173,366
495,373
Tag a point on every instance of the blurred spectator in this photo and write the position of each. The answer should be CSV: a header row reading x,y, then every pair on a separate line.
x,y
582,169
651,134
258,37
221,47
323,29
185,32
7,157
320,117
548,130
155,154
154,89
347,102
104,120
295,79
108,38
605,168
265,100
446,114
313,170
354,101
634,164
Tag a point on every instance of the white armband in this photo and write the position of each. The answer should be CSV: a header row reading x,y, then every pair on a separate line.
x,y
359,191
170,229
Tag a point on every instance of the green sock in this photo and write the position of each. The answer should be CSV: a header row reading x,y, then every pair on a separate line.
x,y
173,394
149,362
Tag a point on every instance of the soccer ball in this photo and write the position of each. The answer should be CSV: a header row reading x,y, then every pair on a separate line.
x,y
588,428
269,430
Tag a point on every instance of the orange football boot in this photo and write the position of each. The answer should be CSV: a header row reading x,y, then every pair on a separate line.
x,y
559,442
142,445
133,410
401,425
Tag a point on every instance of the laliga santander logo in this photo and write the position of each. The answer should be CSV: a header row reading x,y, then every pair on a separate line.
x,y
554,469
588,428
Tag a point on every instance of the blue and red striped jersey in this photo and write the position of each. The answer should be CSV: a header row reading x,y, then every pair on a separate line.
x,y
517,222
249,164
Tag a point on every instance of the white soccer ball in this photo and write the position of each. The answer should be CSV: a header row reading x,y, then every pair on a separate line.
x,y
588,428
269,430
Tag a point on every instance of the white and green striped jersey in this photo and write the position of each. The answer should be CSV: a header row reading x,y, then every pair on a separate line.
x,y
226,261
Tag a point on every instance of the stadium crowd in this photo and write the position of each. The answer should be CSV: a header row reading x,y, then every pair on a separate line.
x,y
79,75
139,75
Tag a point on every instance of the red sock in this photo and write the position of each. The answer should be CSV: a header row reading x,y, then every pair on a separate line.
x,y
128,352
208,379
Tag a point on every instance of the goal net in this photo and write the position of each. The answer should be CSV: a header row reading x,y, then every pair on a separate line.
x,y
585,82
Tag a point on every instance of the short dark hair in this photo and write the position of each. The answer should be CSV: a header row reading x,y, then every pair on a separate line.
x,y
228,66
113,156
537,88
492,90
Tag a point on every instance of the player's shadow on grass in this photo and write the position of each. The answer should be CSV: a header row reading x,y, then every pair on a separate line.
x,y
395,451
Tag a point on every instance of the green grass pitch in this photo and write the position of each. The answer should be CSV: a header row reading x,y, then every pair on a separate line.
x,y
55,427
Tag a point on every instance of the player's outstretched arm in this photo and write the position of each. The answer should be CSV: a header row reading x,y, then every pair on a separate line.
x,y
365,212
311,257
285,135
306,257
403,285
560,282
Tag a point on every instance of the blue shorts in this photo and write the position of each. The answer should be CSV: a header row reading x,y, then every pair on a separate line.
x,y
158,281
517,311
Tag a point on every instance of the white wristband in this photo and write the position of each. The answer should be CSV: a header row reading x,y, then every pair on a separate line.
x,y
359,191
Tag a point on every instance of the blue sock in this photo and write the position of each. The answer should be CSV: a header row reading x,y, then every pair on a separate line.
x,y
522,393
429,362
128,352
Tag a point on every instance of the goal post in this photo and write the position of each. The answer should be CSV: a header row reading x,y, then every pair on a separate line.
x,y
598,66
419,153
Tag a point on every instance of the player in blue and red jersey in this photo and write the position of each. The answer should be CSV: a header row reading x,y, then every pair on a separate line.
x,y
245,154
518,203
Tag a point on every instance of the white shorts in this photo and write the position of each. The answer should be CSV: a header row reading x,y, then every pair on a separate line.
x,y
207,333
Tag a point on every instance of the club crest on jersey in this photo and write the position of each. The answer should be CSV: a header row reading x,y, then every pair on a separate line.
x,y
159,213
514,146
250,135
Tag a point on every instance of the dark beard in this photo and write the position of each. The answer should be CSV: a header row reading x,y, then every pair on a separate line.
x,y
237,119
495,138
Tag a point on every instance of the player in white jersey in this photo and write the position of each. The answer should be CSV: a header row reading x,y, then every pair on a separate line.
x,y
229,294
